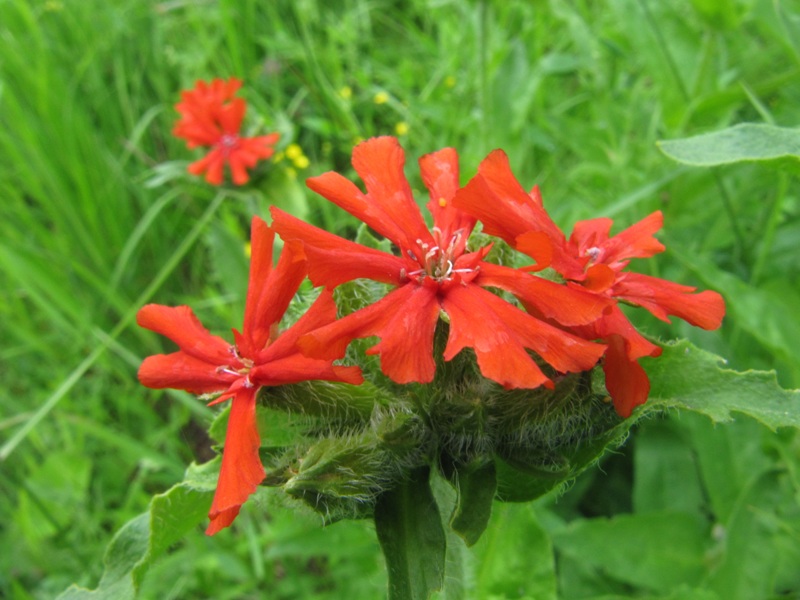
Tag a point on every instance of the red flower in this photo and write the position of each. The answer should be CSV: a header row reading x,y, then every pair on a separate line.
x,y
592,260
207,364
434,273
212,117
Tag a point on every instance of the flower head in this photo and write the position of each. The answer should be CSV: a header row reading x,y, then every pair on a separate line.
x,y
435,272
212,117
260,356
594,261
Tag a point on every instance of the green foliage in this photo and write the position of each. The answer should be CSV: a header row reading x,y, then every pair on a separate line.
x,y
476,485
98,216
741,143
690,378
145,538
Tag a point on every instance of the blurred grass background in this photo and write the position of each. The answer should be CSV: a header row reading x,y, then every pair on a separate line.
x,y
97,217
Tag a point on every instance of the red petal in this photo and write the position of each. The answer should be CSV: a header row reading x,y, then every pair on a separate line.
x,y
212,165
380,161
626,380
197,133
334,260
321,313
662,298
500,332
538,246
270,290
180,371
440,173
180,324
590,234
599,278
296,368
636,241
614,322
406,346
241,470
405,320
231,115
388,207
500,355
238,169
496,198
566,305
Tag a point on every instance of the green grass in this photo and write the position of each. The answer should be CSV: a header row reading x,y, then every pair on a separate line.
x,y
98,217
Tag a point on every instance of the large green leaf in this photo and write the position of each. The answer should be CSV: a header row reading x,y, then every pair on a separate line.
x,y
757,554
686,377
143,539
653,551
741,143
515,556
410,531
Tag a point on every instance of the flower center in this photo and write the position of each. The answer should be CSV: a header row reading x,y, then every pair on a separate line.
x,y
228,142
594,254
437,261
242,366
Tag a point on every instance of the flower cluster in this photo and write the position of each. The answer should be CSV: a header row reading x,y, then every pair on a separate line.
x,y
260,356
524,331
593,261
212,118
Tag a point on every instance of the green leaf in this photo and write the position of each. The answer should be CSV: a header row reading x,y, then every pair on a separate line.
x,y
515,556
144,538
757,543
476,484
231,267
727,458
666,468
768,312
654,551
741,143
686,377
51,495
412,538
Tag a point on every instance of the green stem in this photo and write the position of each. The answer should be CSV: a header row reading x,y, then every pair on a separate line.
x,y
410,532
728,205
769,231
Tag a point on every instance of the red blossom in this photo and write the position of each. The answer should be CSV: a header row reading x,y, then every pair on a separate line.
x,y
211,117
206,363
591,260
434,273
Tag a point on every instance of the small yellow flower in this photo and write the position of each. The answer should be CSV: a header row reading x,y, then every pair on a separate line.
x,y
293,151
381,98
248,250
345,92
450,81
401,128
301,162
